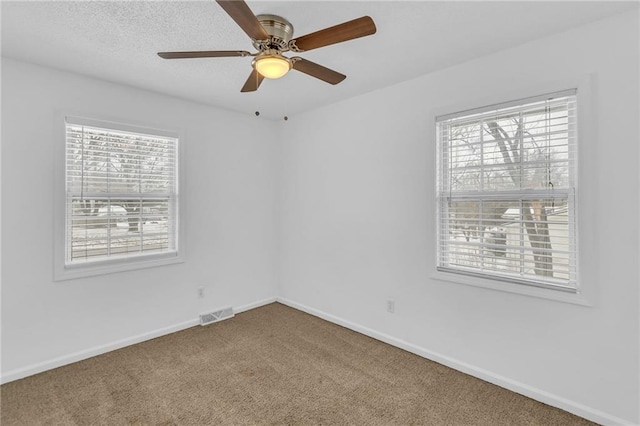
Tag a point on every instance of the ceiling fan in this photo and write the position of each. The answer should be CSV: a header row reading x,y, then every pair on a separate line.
x,y
272,35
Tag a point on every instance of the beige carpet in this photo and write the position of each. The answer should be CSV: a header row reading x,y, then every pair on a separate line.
x,y
271,365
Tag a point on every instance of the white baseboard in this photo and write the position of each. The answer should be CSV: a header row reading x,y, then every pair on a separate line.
x,y
254,305
91,352
41,367
504,382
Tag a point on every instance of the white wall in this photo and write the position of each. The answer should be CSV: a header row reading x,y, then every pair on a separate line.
x,y
359,226
230,221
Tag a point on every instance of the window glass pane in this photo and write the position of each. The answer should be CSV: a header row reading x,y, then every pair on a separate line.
x,y
522,237
107,227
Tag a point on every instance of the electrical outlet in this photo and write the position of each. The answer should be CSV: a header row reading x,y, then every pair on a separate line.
x,y
200,292
391,306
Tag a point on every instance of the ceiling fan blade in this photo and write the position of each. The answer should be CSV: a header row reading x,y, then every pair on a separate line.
x,y
350,30
244,17
253,82
317,71
203,54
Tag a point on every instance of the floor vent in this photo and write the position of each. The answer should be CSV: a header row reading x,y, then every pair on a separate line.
x,y
219,315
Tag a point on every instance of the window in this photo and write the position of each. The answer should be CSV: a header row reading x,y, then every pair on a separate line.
x,y
121,186
506,192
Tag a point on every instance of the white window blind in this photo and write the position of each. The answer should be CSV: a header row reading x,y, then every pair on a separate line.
x,y
121,193
506,192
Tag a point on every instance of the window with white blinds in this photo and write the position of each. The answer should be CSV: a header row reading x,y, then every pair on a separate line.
x,y
506,192
121,193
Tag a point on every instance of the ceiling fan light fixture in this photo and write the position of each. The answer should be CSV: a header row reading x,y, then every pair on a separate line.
x,y
272,66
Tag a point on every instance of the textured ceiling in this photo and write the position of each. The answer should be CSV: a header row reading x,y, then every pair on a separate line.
x,y
118,41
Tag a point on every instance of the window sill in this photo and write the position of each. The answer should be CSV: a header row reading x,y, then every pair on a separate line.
x,y
578,298
112,266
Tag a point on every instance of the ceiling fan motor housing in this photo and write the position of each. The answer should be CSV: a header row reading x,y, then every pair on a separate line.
x,y
280,32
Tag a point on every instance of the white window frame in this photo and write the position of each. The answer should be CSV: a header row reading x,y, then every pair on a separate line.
x,y
585,292
64,270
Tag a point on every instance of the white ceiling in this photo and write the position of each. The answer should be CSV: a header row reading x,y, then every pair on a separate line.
x,y
118,41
